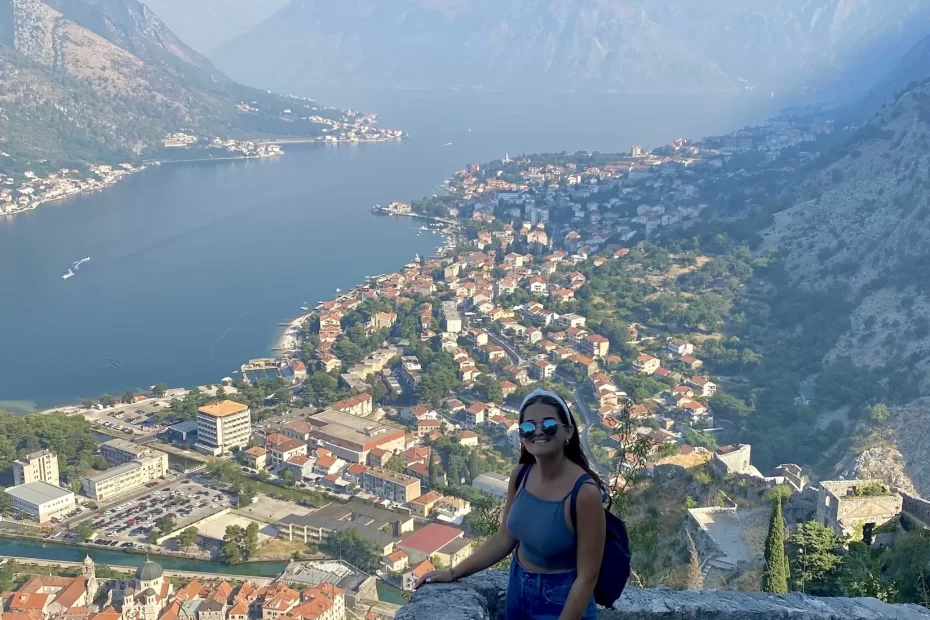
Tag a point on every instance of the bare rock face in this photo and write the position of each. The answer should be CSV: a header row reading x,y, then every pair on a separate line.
x,y
481,597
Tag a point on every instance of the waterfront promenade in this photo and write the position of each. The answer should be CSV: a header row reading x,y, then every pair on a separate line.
x,y
132,569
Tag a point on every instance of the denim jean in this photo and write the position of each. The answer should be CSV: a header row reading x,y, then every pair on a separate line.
x,y
540,596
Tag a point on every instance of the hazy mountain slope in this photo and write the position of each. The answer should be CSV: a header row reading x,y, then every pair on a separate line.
x,y
914,66
632,45
866,225
204,24
609,45
100,80
798,42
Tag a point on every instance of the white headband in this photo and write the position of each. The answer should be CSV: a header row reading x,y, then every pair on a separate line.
x,y
553,395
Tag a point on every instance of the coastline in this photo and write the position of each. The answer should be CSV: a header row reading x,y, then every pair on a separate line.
x,y
160,162
288,342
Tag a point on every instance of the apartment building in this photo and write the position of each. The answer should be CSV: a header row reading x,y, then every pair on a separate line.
x,y
120,451
390,485
223,426
41,466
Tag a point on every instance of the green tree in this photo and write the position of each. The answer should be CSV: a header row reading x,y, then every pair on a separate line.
x,y
251,539
87,403
246,495
814,551
879,413
153,535
7,573
395,463
84,530
775,577
233,540
159,390
107,400
129,396
232,553
166,524
349,545
288,478
188,537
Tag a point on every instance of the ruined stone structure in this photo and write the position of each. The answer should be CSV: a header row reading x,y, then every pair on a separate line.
x,y
839,507
734,460
792,474
481,597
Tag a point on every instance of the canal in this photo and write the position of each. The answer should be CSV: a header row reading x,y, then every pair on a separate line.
x,y
72,553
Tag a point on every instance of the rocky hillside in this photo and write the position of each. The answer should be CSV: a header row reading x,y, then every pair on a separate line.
x,y
102,80
624,45
864,223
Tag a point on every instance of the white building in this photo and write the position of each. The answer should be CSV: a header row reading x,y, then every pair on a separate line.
x,y
41,466
223,426
126,477
492,484
41,500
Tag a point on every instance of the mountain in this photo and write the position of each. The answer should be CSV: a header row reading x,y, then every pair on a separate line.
x,y
205,24
914,66
105,80
861,223
621,45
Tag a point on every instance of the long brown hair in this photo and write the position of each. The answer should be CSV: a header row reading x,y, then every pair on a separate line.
x,y
573,451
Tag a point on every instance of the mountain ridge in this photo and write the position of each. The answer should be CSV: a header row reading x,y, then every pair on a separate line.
x,y
626,45
91,81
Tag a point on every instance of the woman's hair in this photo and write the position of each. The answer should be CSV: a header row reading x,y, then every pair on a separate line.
x,y
573,450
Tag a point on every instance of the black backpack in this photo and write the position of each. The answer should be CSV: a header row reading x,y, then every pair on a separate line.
x,y
615,565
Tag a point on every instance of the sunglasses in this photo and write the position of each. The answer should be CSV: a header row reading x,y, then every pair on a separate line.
x,y
548,426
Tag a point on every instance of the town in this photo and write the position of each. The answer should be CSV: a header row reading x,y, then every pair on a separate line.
x,y
32,191
378,445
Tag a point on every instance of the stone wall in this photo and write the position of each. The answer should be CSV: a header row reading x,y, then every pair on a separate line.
x,y
916,507
481,597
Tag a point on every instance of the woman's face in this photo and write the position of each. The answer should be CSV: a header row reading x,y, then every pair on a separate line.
x,y
541,444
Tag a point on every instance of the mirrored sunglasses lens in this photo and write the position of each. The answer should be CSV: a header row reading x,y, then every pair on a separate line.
x,y
527,429
550,426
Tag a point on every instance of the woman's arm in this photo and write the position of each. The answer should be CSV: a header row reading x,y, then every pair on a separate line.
x,y
590,532
490,553
497,546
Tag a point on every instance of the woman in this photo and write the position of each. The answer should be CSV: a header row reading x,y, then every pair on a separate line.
x,y
555,566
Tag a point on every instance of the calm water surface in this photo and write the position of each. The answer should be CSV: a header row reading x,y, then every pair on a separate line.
x,y
194,265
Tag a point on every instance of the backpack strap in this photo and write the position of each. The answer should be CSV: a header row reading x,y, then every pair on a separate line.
x,y
573,502
521,475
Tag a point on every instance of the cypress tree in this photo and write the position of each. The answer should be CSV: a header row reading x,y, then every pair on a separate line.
x,y
775,578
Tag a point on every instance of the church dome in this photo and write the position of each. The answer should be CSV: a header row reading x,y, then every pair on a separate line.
x,y
149,571
88,561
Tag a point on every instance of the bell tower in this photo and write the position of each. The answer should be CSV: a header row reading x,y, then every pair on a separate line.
x,y
89,573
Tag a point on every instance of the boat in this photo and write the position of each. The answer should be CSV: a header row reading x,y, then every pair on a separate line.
x,y
338,290
70,274
305,308
78,263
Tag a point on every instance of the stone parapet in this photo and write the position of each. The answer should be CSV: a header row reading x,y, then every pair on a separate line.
x,y
481,597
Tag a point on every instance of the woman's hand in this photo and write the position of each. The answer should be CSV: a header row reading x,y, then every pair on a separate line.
x,y
444,575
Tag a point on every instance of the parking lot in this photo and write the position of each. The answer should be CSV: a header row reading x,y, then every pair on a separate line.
x,y
128,524
134,419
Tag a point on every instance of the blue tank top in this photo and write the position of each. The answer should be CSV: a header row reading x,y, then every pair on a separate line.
x,y
539,526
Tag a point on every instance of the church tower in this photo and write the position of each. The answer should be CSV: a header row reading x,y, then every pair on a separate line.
x,y
89,573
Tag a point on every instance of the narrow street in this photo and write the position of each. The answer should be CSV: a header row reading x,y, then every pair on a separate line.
x,y
589,419
515,358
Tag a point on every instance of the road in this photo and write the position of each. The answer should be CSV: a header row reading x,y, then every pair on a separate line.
x,y
589,419
515,358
